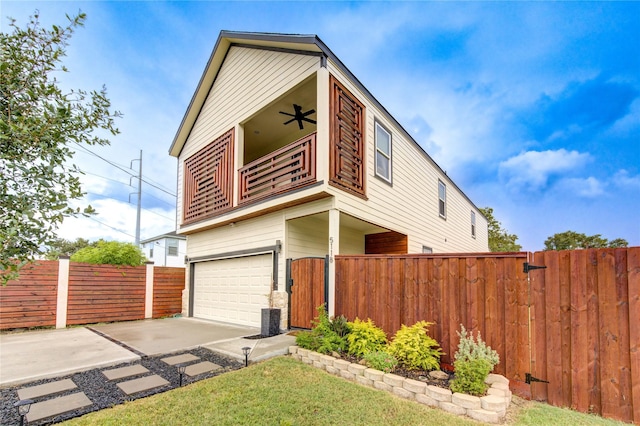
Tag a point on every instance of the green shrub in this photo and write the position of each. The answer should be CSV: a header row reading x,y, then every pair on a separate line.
x,y
474,360
308,340
365,337
327,335
381,360
415,349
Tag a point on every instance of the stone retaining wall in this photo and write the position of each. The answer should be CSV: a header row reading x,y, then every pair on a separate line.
x,y
490,408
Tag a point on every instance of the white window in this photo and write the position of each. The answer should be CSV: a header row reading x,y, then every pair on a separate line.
x,y
151,253
426,249
442,199
473,224
383,152
172,247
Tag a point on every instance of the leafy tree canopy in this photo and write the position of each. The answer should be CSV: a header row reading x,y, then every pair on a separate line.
x,y
571,240
110,253
61,247
39,123
499,239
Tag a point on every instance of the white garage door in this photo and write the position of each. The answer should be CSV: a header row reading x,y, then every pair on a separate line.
x,y
233,290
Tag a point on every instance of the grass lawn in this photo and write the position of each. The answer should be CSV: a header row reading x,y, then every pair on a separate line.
x,y
283,391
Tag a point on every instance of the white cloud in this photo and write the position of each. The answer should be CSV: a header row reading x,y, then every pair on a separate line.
x,y
622,178
532,169
589,187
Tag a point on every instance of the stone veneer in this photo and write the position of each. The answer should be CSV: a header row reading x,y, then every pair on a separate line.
x,y
490,408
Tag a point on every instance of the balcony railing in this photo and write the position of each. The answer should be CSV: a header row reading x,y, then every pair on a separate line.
x,y
289,167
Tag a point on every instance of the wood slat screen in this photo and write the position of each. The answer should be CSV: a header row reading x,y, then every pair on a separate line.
x,y
386,243
30,301
208,180
347,141
289,167
168,284
103,293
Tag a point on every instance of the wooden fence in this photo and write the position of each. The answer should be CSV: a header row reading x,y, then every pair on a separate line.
x,y
61,293
575,324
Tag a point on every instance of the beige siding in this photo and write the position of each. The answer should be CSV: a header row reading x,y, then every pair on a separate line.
x,y
410,204
307,237
248,80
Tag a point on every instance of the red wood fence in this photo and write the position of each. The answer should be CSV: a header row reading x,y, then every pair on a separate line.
x,y
575,324
104,293
168,284
96,293
30,302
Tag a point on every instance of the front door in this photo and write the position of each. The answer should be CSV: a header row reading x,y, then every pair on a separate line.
x,y
307,288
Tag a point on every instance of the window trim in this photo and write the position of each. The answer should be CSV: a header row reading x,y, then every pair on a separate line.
x,y
169,243
427,250
443,200
473,224
376,125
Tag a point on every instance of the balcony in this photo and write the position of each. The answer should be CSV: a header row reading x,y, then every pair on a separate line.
x,y
292,166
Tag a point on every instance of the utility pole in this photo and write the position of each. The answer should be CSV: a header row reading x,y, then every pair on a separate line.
x,y
137,242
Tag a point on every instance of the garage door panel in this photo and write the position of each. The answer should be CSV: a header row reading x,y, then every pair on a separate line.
x,y
233,290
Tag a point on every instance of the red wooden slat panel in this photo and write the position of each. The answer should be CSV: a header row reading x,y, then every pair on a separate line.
x,y
625,410
593,337
579,333
168,284
609,335
346,151
208,180
30,301
633,275
539,328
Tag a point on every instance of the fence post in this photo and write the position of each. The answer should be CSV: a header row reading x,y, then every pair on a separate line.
x,y
63,292
148,296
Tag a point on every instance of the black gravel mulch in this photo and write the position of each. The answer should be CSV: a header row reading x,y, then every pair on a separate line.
x,y
105,394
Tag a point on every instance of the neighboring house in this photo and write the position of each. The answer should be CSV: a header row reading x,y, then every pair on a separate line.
x,y
166,249
283,153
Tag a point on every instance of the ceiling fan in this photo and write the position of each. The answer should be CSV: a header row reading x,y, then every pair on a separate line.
x,y
299,116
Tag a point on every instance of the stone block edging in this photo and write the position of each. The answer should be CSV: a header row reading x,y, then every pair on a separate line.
x,y
490,408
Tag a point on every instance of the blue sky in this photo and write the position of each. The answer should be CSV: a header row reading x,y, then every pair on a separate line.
x,y
533,108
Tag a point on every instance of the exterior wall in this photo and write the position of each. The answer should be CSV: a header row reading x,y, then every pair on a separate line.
x,y
255,233
307,237
248,80
410,204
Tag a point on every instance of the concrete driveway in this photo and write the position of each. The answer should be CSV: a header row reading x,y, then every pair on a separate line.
x,y
34,355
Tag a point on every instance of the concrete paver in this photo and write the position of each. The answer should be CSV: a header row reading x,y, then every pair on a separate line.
x,y
56,406
180,359
142,384
259,348
50,388
119,373
201,367
35,355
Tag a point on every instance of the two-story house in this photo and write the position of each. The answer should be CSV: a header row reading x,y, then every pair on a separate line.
x,y
167,249
283,153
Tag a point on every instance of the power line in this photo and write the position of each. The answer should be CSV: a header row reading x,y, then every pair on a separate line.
x,y
127,202
128,171
126,184
109,226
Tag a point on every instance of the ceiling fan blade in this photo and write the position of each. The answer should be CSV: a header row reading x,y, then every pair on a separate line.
x,y
287,122
300,124
286,113
308,120
311,111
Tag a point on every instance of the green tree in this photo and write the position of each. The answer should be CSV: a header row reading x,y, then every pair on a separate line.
x,y
499,239
39,123
110,253
570,240
61,247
